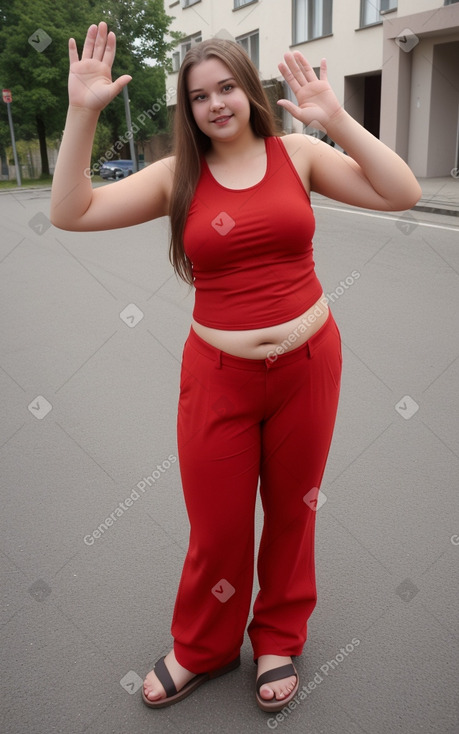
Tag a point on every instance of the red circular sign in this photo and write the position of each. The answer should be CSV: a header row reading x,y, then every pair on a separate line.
x,y
7,95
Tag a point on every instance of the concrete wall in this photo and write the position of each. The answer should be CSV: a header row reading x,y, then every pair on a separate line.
x,y
417,117
444,109
419,88
409,7
347,52
423,84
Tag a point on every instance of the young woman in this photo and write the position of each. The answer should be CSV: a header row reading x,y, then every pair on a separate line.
x,y
261,366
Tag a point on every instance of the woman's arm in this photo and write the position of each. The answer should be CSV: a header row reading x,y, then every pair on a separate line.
x,y
75,205
371,175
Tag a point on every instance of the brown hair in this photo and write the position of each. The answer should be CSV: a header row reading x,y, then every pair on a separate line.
x,y
191,143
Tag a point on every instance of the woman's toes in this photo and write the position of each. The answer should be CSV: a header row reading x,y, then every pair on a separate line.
x,y
266,692
152,695
277,690
283,691
152,688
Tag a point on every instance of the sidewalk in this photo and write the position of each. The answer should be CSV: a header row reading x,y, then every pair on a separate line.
x,y
439,195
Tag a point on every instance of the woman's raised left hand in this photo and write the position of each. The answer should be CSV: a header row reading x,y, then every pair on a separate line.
x,y
317,103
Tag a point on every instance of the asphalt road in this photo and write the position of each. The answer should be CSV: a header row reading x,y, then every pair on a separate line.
x,y
91,337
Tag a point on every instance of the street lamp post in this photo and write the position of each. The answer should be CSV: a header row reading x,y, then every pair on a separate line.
x,y
7,98
127,110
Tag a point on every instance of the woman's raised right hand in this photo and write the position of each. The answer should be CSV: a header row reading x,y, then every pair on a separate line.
x,y
90,79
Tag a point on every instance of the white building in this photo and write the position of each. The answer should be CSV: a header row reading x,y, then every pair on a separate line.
x,y
394,65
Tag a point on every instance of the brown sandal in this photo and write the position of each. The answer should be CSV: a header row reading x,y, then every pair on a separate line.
x,y
174,696
276,704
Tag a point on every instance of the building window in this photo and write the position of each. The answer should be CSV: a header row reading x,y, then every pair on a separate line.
x,y
250,43
186,44
241,3
370,10
311,19
187,3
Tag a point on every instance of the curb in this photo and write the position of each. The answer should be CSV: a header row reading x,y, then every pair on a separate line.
x,y
432,209
429,208
18,189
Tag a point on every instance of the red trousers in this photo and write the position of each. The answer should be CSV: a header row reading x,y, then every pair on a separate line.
x,y
242,422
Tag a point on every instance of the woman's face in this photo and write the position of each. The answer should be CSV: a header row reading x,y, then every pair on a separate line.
x,y
220,107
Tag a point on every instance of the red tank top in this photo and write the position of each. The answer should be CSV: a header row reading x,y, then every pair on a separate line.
x,y
251,249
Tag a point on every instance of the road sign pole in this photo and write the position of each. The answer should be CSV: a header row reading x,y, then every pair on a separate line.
x,y
13,141
127,111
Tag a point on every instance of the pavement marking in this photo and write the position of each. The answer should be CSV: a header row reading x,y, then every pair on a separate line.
x,y
382,216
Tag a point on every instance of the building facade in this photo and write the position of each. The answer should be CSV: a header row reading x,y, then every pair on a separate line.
x,y
394,64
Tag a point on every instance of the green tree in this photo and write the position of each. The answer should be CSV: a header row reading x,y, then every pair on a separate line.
x,y
142,51
140,27
34,63
34,59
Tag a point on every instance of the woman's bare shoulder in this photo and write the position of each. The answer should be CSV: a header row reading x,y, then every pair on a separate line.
x,y
290,138
163,167
294,141
161,172
298,146
168,161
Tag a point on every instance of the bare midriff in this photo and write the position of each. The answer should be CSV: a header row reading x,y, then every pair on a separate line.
x,y
268,341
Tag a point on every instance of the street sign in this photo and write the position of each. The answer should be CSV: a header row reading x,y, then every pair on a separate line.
x,y
7,95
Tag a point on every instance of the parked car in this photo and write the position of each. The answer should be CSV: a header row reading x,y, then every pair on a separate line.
x,y
116,169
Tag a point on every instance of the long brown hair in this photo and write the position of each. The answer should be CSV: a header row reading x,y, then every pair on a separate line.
x,y
191,143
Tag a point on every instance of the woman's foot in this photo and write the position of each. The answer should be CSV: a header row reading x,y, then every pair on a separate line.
x,y
278,689
153,688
